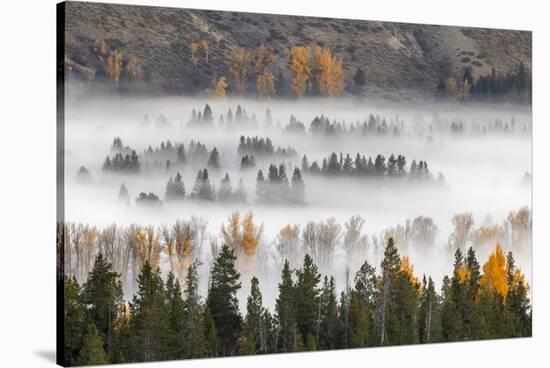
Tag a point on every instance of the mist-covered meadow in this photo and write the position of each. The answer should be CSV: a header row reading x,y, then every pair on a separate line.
x,y
477,165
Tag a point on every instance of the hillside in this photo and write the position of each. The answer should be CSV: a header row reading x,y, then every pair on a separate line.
x,y
394,56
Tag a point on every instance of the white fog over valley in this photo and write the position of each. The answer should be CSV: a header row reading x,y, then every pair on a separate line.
x,y
478,158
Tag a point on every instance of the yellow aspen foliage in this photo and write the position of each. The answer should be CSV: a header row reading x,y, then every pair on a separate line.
x,y
238,65
251,234
328,71
289,232
102,48
408,269
114,63
263,57
465,90
204,45
242,235
494,273
451,87
300,70
132,67
219,91
464,274
232,232
194,48
265,84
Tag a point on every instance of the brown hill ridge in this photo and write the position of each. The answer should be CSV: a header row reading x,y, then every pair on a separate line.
x,y
394,56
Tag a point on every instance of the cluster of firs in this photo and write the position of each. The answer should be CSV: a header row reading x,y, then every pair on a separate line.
x,y
165,320
263,147
122,158
321,126
115,66
313,71
168,154
340,165
204,190
230,120
515,84
275,188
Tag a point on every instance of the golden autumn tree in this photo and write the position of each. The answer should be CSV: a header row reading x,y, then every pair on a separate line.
x,y
265,80
465,90
243,235
132,67
329,74
220,90
408,269
494,273
300,70
451,87
114,65
239,68
265,84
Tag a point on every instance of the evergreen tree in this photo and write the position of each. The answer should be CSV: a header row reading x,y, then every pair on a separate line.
x,y
297,188
255,332
328,332
214,159
102,293
74,321
307,304
207,116
92,352
222,301
175,188
225,192
194,343
285,312
362,331
176,317
149,326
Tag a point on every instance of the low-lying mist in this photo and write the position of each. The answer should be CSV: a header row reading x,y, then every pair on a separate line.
x,y
483,153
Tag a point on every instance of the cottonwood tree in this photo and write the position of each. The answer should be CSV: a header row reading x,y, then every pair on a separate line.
x,y
288,242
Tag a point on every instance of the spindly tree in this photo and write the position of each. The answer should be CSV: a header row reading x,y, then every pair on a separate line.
x,y
255,330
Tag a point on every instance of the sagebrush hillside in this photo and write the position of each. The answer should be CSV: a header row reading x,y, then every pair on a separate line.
x,y
395,57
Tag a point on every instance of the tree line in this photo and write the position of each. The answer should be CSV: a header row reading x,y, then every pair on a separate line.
x,y
512,85
261,147
395,167
275,188
128,247
389,306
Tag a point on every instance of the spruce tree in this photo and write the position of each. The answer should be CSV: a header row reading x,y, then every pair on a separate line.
x,y
74,320
92,352
307,302
285,311
176,317
102,293
214,159
194,342
254,330
149,326
328,329
222,301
